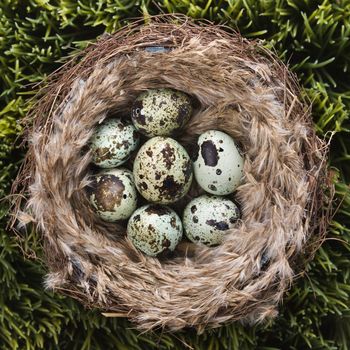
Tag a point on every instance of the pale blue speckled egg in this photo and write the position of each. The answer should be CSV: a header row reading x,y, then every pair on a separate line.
x,y
207,219
113,194
161,112
113,142
217,163
154,228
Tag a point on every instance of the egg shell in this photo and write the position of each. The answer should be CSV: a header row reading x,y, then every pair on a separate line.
x,y
217,163
113,142
154,228
162,170
113,194
161,112
207,219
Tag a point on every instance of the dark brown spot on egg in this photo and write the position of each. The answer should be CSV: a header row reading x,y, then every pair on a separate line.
x,y
174,97
161,122
157,209
149,152
118,145
108,192
136,115
126,143
151,228
219,225
102,154
212,187
193,209
170,189
158,175
209,153
195,219
143,186
168,153
218,171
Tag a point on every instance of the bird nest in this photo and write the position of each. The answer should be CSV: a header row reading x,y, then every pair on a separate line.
x,y
239,88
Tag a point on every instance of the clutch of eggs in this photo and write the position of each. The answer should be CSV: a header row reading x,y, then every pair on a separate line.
x,y
162,173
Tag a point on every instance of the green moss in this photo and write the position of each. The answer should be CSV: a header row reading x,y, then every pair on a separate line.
x,y
312,36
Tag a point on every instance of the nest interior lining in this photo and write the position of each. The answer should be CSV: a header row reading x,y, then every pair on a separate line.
x,y
242,90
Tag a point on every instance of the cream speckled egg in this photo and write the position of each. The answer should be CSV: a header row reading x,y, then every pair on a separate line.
x,y
161,112
206,219
154,228
217,164
113,142
162,170
113,194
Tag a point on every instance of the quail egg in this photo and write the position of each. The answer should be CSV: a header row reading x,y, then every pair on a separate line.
x,y
162,170
161,112
217,163
154,228
113,194
113,142
206,219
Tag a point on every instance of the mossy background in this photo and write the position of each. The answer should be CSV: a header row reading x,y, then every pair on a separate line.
x,y
312,36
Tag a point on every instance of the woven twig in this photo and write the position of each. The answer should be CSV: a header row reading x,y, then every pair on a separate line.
x,y
241,89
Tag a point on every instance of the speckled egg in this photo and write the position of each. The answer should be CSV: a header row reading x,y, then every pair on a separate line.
x,y
161,112
206,219
113,194
113,142
217,163
154,228
162,170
